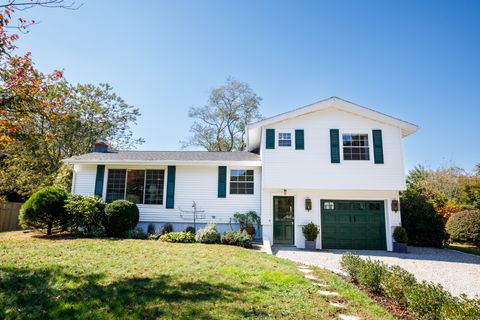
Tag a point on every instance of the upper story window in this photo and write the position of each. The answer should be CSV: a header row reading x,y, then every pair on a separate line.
x,y
284,139
355,147
137,186
241,181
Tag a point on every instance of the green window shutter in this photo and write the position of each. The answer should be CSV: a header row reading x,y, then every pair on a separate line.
x,y
270,138
377,146
299,139
334,146
99,180
222,182
170,187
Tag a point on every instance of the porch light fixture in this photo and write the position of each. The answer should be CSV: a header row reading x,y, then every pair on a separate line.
x,y
395,205
284,192
308,204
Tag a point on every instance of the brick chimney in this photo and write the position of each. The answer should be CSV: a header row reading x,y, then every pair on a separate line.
x,y
100,146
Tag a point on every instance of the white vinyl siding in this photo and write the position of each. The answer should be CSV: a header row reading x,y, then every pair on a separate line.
x,y
192,183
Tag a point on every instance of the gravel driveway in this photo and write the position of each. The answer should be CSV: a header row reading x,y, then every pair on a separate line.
x,y
458,272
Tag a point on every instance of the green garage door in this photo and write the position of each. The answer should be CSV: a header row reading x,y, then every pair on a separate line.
x,y
350,224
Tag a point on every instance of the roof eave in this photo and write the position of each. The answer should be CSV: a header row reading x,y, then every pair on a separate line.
x,y
251,163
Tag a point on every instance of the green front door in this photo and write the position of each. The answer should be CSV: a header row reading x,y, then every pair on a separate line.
x,y
283,220
351,224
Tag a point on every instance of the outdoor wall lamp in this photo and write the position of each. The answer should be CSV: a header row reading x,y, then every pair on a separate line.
x,y
284,192
308,204
395,205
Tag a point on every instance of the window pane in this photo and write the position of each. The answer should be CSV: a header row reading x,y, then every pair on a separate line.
x,y
135,185
241,181
284,139
154,186
355,147
115,184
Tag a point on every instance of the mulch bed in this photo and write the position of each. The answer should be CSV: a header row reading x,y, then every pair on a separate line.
x,y
391,306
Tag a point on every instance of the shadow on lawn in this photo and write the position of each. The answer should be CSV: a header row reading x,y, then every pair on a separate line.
x,y
54,294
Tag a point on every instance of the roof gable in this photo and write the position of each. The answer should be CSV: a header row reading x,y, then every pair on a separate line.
x,y
254,129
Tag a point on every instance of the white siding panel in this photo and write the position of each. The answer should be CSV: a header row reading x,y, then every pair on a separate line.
x,y
84,180
311,168
199,184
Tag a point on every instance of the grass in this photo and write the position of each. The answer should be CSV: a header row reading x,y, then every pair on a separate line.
x,y
464,247
61,278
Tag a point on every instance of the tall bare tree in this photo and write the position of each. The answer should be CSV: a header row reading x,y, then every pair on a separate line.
x,y
220,125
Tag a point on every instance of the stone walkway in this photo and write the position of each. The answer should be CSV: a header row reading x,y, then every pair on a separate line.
x,y
328,294
458,272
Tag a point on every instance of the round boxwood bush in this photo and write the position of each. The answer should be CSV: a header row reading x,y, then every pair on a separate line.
x,y
44,210
400,235
120,217
464,226
209,234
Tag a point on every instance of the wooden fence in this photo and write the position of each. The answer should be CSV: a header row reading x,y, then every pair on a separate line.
x,y
9,216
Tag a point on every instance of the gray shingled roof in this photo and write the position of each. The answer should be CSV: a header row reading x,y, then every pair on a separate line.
x,y
164,156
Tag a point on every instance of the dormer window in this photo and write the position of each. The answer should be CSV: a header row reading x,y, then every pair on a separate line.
x,y
284,139
355,147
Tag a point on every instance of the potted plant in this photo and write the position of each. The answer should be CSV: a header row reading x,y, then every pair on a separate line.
x,y
401,238
310,232
247,221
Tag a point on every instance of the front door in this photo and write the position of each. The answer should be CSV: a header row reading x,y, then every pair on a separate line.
x,y
283,220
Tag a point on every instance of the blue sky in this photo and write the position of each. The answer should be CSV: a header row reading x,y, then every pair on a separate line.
x,y
416,60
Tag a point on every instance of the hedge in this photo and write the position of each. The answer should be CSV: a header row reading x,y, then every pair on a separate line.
x,y
423,300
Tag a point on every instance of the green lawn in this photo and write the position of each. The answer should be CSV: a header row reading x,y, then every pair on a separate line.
x,y
467,248
140,279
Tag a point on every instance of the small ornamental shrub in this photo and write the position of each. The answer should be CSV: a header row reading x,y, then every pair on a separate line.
x,y
310,231
424,226
45,210
351,264
462,308
395,283
120,217
190,229
85,214
371,274
136,233
167,228
209,234
181,237
237,238
246,220
426,300
400,235
151,229
465,226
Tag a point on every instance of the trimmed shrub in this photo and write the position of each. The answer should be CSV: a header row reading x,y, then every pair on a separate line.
x,y
423,225
395,282
151,229
371,274
181,237
464,226
462,308
310,231
209,234
45,210
136,233
190,229
426,300
237,238
120,216
167,228
85,214
400,235
351,264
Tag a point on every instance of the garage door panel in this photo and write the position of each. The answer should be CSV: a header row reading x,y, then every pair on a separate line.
x,y
353,225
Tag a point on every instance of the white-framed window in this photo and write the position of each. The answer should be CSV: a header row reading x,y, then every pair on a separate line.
x,y
284,139
137,186
241,181
355,146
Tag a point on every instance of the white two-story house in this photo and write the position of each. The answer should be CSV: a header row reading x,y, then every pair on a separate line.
x,y
334,163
